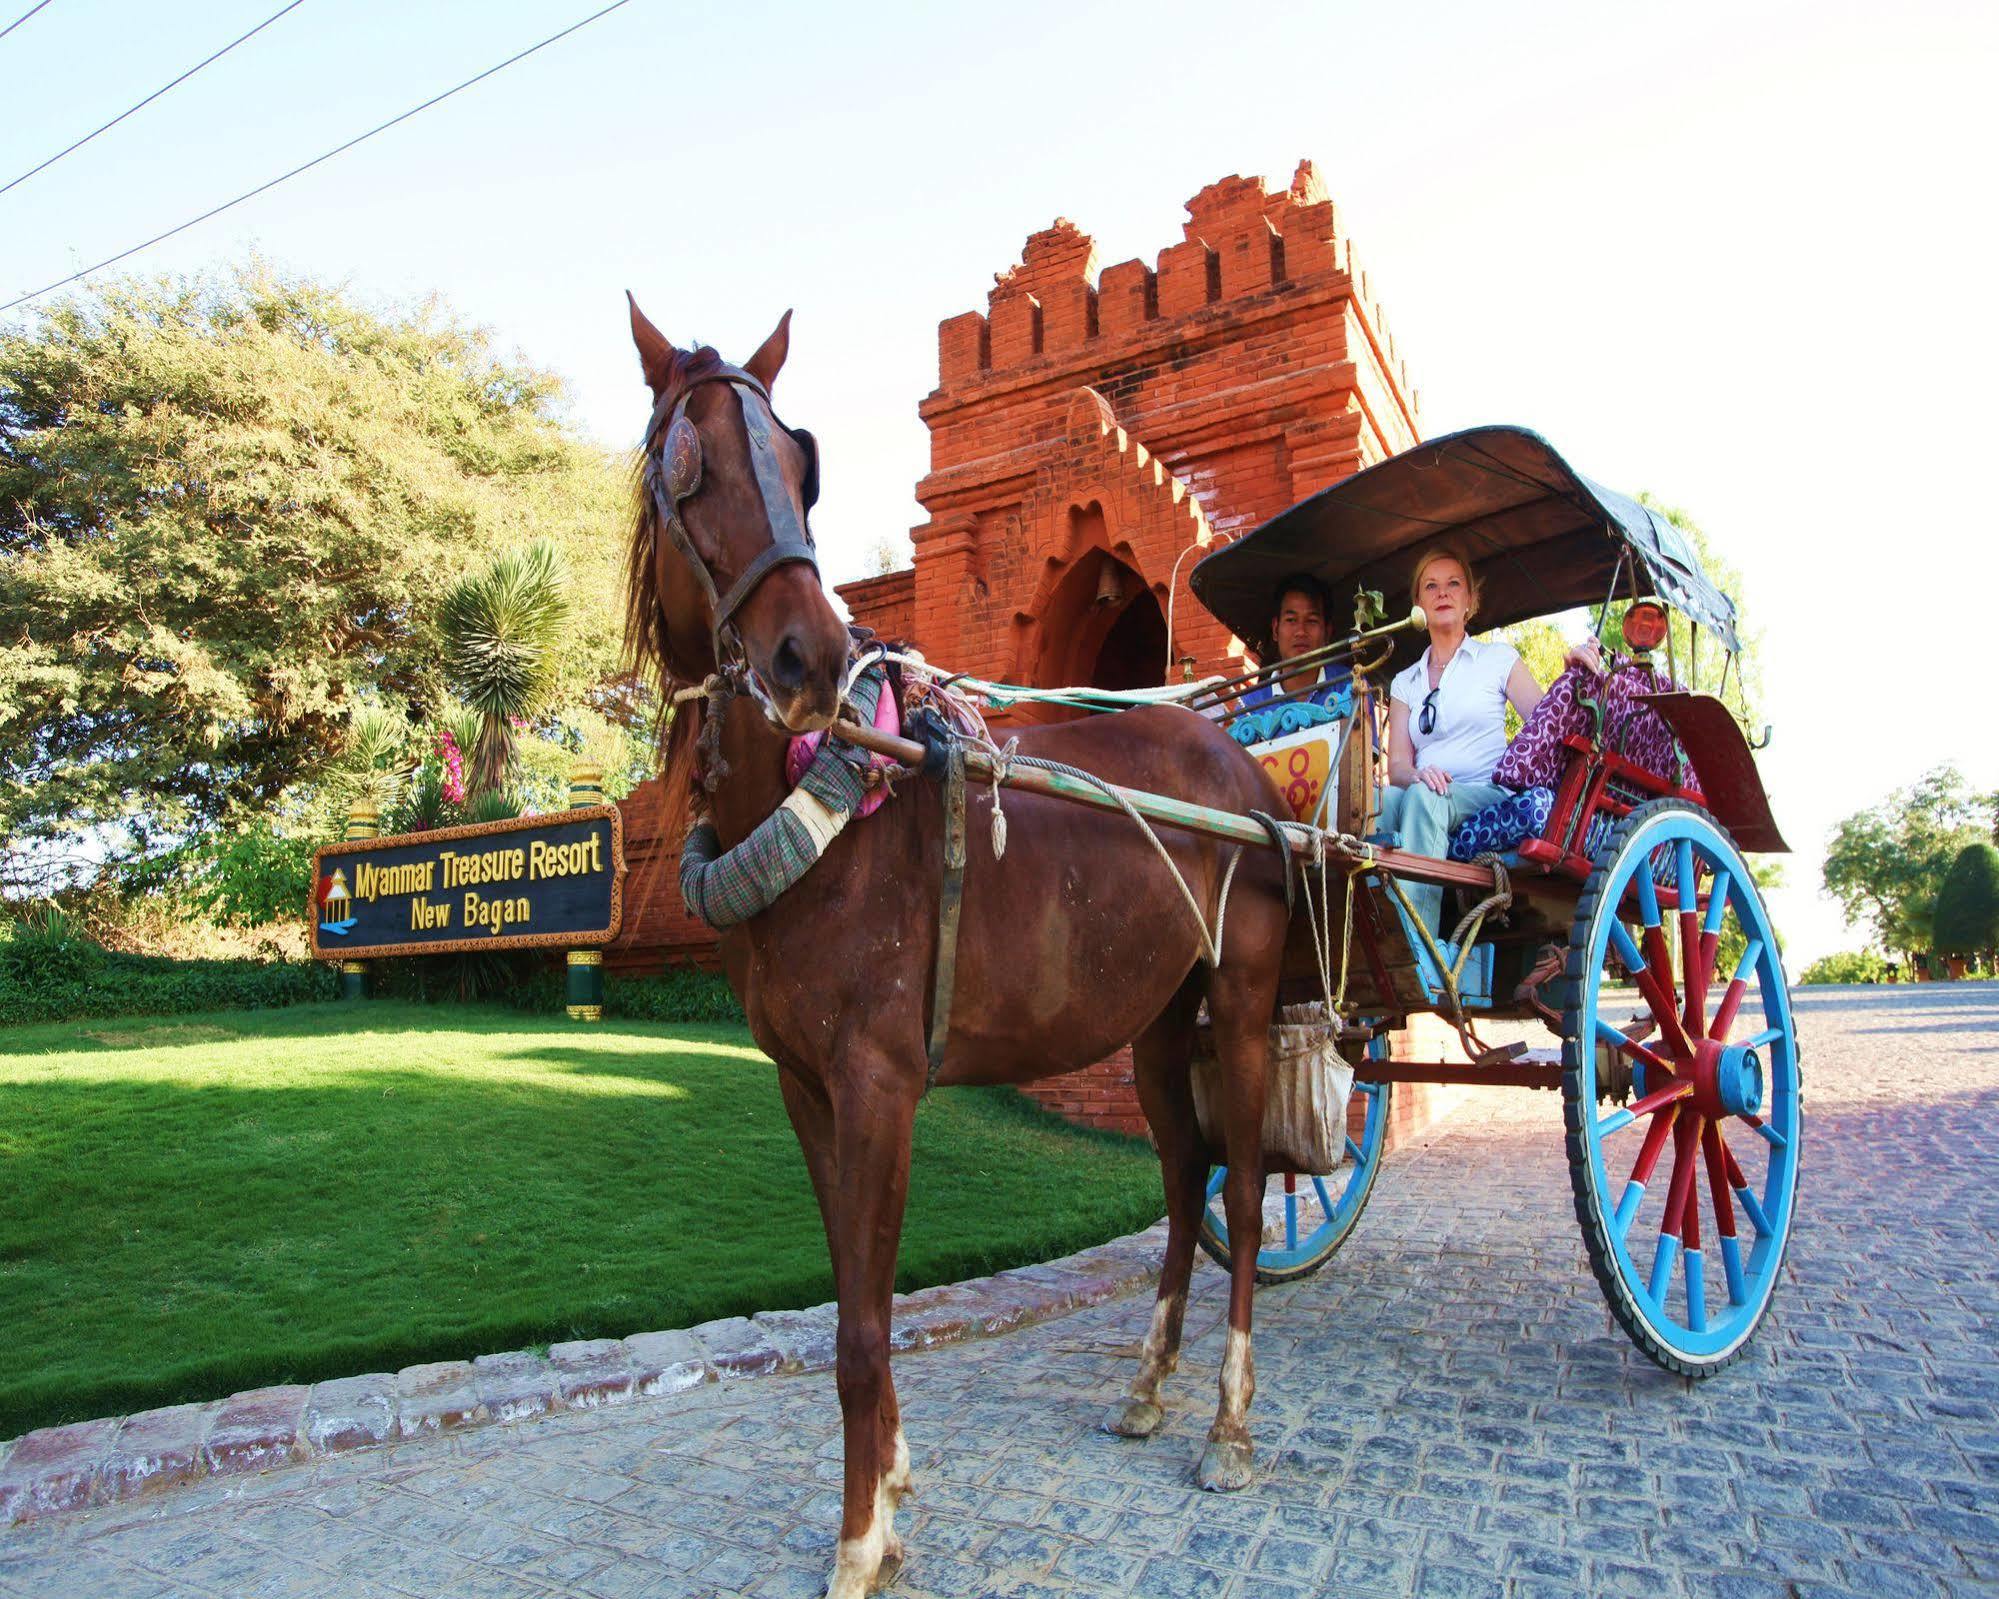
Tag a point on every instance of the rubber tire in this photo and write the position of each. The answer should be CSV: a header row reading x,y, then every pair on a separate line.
x,y
1590,1212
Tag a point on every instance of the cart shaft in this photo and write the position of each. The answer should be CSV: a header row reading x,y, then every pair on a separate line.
x,y
1201,819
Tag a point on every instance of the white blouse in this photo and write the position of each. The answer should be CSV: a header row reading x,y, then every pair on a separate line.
x,y
1469,734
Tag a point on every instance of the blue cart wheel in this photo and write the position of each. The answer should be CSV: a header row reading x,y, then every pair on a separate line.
x,y
1677,1006
1318,1212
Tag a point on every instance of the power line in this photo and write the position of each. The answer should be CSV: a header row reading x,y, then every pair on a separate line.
x,y
122,115
339,149
23,17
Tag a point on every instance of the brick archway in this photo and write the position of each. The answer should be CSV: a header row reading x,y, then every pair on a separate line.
x,y
1095,623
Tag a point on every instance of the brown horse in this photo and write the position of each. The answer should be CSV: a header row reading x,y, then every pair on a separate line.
x,y
1072,944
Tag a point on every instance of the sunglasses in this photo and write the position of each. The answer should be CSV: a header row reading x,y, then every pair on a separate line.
x,y
1426,719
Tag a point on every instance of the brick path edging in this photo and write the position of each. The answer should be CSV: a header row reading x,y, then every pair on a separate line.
x,y
90,1463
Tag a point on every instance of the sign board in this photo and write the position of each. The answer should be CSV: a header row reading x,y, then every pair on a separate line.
x,y
1300,763
554,881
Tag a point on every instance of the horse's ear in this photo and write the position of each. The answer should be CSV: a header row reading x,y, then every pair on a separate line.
x,y
769,359
655,354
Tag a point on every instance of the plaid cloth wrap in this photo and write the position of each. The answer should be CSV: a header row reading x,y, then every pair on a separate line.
x,y
724,889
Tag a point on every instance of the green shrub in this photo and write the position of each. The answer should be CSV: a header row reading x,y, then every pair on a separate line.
x,y
48,946
679,994
1848,966
1966,919
151,985
246,874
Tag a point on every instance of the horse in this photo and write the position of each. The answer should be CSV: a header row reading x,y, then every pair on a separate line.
x,y
1071,945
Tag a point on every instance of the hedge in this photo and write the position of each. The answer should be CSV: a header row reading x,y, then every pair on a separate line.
x,y
87,982
152,985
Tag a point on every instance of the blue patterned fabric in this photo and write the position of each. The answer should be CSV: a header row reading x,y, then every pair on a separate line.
x,y
1501,827
1256,727
1512,821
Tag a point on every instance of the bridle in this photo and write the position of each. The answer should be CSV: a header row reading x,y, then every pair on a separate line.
x,y
673,476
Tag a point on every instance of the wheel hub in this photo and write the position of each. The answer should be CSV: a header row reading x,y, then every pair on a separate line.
x,y
1728,1080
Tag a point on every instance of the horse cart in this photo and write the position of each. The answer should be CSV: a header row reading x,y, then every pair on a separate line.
x,y
1153,881
1613,910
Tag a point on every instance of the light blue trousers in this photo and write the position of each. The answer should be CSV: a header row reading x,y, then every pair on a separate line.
x,y
1426,821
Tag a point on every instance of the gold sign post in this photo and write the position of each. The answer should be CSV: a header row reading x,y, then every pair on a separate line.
x,y
586,966
364,820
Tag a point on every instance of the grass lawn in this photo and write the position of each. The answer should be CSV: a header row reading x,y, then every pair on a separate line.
x,y
194,1205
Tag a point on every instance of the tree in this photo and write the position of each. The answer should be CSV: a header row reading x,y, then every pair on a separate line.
x,y
1847,966
1966,921
503,627
226,508
1886,865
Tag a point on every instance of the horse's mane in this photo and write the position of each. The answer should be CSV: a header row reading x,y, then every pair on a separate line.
x,y
648,653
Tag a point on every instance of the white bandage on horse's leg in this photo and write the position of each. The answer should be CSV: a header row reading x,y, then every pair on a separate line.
x,y
821,822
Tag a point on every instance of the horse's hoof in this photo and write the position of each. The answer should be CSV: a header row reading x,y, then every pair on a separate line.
x,y
1225,1466
1134,1418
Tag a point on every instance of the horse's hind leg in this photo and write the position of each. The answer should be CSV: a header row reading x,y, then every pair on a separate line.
x,y
1241,1006
1160,1057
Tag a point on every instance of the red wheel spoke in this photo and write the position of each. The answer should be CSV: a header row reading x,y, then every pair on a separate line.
x,y
1653,1147
1622,1041
1658,992
1751,1206
1695,989
1717,1180
1738,985
1735,1178
1724,1212
1618,1120
1686,1129
1725,1012
1686,878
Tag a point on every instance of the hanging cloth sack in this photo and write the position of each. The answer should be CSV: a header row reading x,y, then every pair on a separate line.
x,y
1307,1082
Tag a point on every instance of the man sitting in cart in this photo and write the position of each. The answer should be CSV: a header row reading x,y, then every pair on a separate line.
x,y
1298,626
1447,716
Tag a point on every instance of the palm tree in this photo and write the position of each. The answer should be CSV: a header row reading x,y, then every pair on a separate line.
x,y
501,628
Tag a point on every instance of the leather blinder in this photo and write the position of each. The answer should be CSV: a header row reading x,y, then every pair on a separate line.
x,y
810,445
682,454
675,476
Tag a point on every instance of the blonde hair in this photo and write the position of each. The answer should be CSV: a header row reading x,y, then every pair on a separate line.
x,y
1445,550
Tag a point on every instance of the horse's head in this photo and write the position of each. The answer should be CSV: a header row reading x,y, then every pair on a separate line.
x,y
735,581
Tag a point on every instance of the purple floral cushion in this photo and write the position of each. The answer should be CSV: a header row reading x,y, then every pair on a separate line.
x,y
1539,752
1636,731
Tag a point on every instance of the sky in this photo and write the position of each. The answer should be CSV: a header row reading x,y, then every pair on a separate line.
x,y
1736,255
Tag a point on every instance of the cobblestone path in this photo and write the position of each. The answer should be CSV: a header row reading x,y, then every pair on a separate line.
x,y
1442,1411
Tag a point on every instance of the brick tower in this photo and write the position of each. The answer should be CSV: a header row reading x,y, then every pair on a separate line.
x,y
1092,432
1090,429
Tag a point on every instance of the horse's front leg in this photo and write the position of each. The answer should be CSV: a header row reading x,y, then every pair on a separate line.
x,y
874,1113
1242,1040
811,1115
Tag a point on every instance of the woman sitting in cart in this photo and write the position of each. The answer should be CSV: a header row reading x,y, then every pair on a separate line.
x,y
1447,716
1299,626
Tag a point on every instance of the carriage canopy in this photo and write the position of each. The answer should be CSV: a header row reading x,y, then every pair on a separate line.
x,y
1544,537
